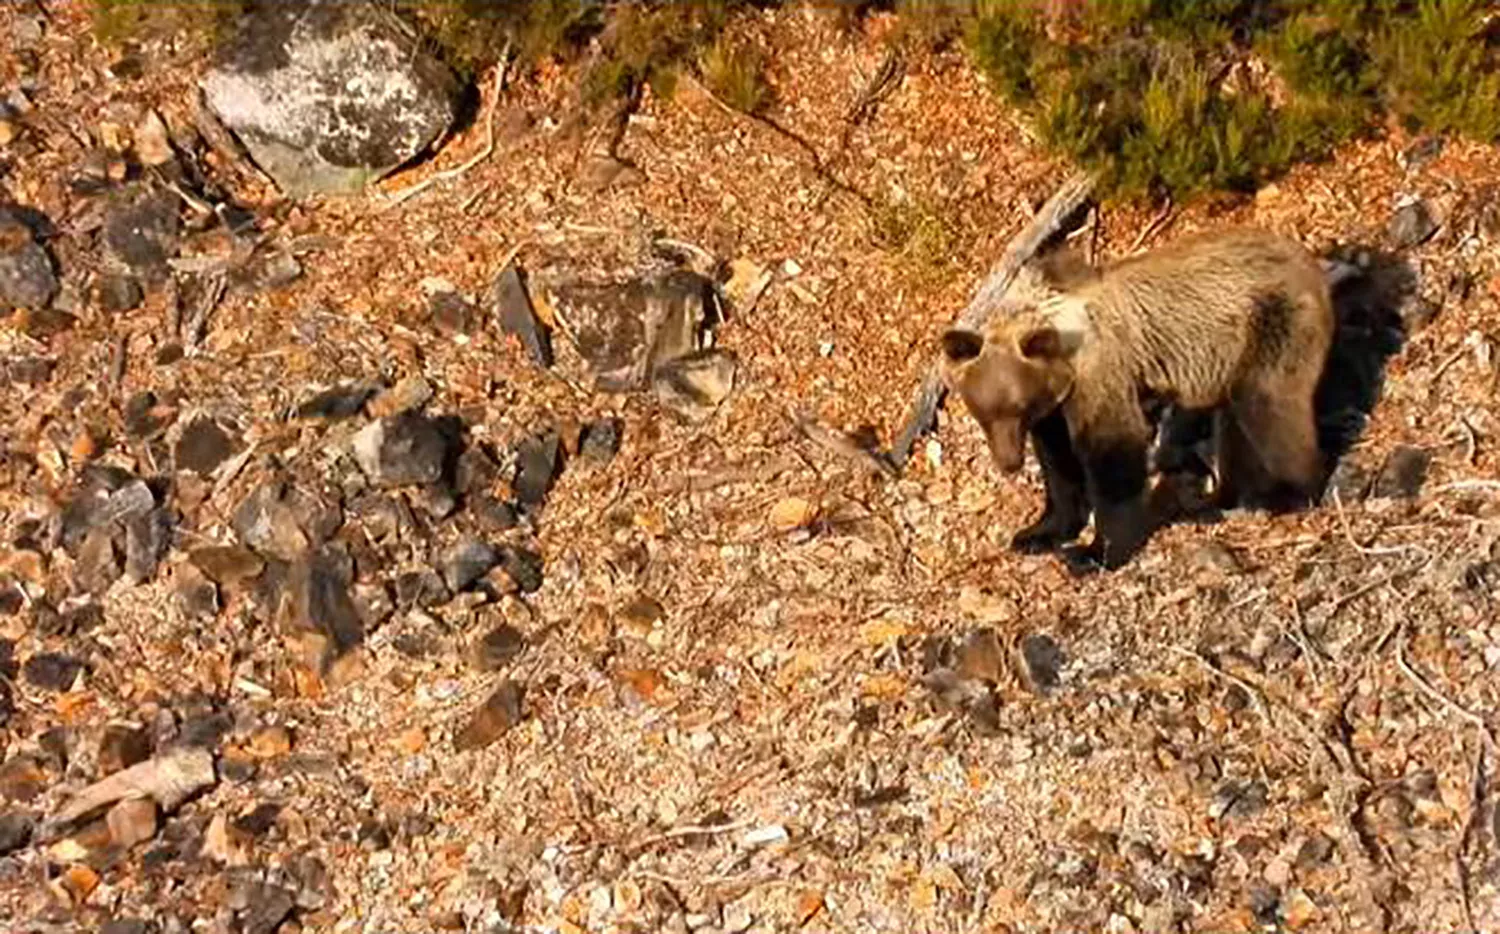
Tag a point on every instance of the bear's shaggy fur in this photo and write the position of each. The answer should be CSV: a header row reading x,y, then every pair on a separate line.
x,y
1235,321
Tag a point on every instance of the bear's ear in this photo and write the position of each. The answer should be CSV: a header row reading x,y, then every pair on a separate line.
x,y
960,346
1042,343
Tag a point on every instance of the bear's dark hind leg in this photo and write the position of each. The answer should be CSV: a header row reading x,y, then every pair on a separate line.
x,y
1269,449
1066,512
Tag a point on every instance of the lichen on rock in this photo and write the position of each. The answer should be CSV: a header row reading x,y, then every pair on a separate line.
x,y
327,97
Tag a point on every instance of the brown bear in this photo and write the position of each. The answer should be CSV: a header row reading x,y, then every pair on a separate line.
x,y
1237,322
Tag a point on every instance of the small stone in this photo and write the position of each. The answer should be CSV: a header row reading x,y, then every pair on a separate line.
x,y
1239,800
436,500
147,540
980,656
21,779
1299,911
501,711
52,671
522,566
451,313
15,830
339,402
26,276
1349,483
492,514
223,844
517,317
203,446
197,596
744,280
600,441
125,926
475,472
79,882
1412,224
467,562
373,835
696,384
132,821
498,648
321,603
276,270
407,395
760,836
537,462
327,102
153,144
1315,851
424,589
227,565
266,522
27,371
144,417
405,450
205,730
117,294
98,562
372,601
129,500
603,171
737,917
1043,658
268,911
1216,557
259,820
123,745
140,230
640,616
270,742
1404,472
790,514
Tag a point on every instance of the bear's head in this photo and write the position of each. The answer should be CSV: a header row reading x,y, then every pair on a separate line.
x,y
1020,368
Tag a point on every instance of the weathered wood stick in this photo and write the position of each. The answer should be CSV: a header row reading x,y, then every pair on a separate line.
x,y
1059,211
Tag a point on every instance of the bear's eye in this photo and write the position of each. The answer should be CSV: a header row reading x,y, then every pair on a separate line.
x,y
959,346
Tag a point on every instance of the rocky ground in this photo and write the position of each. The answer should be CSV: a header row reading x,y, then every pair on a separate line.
x,y
326,605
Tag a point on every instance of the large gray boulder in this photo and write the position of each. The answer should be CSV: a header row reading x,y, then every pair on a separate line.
x,y
329,96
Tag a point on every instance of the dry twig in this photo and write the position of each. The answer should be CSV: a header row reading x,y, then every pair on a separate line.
x,y
1159,222
838,443
1486,747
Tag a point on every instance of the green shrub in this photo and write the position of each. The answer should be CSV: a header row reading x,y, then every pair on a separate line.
x,y
1439,69
735,73
1144,92
917,232
470,34
197,21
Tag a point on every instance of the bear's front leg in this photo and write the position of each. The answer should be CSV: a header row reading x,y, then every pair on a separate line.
x,y
1066,512
1115,472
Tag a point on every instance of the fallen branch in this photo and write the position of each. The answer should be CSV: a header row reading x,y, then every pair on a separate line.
x,y
1487,747
1058,213
840,444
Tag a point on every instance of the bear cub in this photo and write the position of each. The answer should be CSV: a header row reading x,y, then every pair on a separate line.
x,y
1236,323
